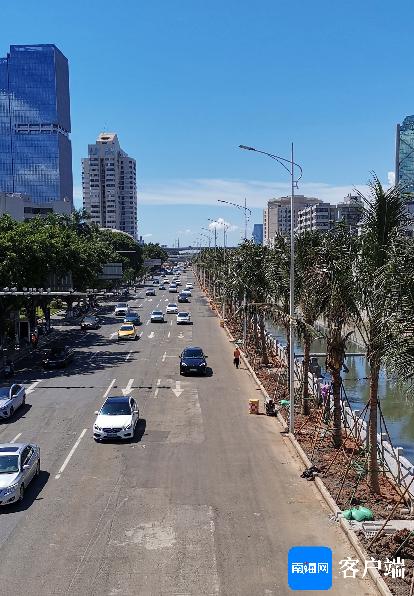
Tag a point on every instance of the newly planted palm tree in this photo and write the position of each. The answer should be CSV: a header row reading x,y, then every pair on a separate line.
x,y
384,219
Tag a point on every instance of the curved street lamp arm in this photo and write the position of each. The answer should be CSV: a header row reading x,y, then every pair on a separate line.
x,y
281,160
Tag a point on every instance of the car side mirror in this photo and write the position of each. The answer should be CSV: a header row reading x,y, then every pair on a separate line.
x,y
205,356
26,467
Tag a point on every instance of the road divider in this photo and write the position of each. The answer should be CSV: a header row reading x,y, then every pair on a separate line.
x,y
71,452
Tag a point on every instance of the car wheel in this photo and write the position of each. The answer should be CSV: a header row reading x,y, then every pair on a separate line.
x,y
38,468
24,400
21,493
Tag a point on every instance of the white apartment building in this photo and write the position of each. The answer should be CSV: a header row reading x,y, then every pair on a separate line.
x,y
321,217
109,185
276,217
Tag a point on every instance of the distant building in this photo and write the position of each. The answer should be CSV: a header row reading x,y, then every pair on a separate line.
x,y
350,211
404,155
320,217
257,234
35,149
21,207
276,216
109,185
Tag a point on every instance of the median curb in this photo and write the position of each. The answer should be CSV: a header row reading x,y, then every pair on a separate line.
x,y
349,533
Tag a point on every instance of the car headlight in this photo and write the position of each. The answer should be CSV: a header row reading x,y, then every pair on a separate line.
x,y
11,489
127,426
203,364
96,427
183,364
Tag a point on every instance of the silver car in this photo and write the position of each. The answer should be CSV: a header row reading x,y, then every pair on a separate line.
x,y
11,398
19,464
157,316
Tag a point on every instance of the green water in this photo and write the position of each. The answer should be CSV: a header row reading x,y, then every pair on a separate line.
x,y
397,403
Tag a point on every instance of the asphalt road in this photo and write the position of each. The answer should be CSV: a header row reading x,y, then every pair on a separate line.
x,y
206,499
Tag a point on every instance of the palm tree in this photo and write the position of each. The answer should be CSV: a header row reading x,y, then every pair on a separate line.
x,y
384,218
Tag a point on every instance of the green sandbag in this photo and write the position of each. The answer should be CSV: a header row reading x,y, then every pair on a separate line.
x,y
347,514
284,402
362,514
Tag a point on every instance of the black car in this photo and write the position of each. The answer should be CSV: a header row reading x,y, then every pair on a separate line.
x,y
133,318
90,323
193,361
57,356
183,298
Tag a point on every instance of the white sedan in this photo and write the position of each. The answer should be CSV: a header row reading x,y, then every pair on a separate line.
x,y
116,419
172,309
189,286
11,398
157,316
183,318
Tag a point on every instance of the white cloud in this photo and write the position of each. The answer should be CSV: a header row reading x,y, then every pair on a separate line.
x,y
391,178
147,235
220,224
207,191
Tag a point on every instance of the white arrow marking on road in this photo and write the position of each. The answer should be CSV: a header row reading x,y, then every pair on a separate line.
x,y
177,391
128,355
127,390
166,300
31,387
71,452
181,336
151,335
169,334
15,438
164,356
113,334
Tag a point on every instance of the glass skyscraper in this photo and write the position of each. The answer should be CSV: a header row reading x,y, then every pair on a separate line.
x,y
35,149
404,162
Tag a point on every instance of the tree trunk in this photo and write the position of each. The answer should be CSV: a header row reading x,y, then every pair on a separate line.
x,y
373,439
305,369
265,358
337,413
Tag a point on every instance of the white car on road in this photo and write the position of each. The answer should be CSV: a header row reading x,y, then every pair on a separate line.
x,y
116,419
172,309
189,286
19,464
121,309
157,316
183,318
11,398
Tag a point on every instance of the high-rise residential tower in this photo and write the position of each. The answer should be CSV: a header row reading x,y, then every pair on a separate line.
x,y
35,149
109,185
276,217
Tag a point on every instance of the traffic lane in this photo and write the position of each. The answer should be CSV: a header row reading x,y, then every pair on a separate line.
x,y
260,501
93,470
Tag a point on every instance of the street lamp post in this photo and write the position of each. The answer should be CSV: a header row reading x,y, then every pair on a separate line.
x,y
209,237
294,182
244,208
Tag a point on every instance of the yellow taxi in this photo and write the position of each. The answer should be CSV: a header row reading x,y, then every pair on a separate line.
x,y
127,331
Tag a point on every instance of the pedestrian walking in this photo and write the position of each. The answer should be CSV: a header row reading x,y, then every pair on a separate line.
x,y
236,357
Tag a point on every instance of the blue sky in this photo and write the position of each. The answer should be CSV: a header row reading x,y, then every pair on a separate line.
x,y
184,82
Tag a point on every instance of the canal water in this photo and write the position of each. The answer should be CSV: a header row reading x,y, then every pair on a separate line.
x,y
397,402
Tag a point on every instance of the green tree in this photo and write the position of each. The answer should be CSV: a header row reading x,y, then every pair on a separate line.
x,y
155,251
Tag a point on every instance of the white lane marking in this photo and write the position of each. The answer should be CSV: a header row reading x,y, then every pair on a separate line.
x,y
128,355
15,438
169,333
105,395
71,452
141,334
128,388
151,335
147,323
166,300
164,356
177,391
158,305
181,336
113,334
157,389
171,322
31,387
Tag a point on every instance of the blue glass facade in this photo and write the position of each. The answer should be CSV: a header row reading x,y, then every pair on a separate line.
x,y
257,234
35,149
404,170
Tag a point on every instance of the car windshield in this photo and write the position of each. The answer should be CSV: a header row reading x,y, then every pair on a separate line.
x,y
172,306
182,314
9,464
157,312
89,320
121,305
4,392
116,409
56,352
127,327
193,353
